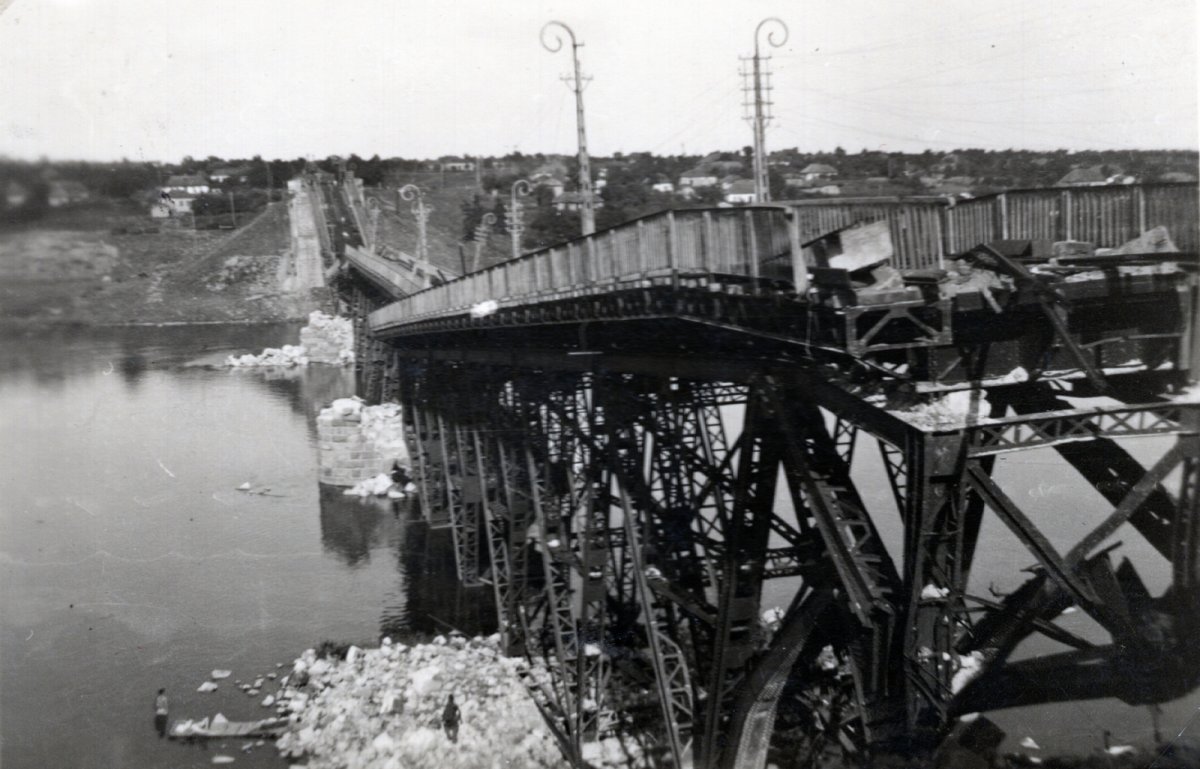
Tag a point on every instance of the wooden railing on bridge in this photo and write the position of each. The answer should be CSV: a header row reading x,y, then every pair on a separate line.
x,y
734,244
924,232
755,244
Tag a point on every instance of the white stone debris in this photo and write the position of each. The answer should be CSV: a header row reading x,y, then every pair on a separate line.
x,y
381,709
1029,742
933,592
207,686
359,445
948,411
222,759
969,668
485,308
1189,394
326,339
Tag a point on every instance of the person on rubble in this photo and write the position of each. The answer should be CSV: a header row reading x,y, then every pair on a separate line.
x,y
450,719
400,476
162,707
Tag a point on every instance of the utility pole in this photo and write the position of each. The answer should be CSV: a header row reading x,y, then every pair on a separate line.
x,y
756,84
587,211
232,210
483,231
514,223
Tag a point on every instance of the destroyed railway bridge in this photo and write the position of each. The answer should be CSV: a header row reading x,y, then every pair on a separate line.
x,y
634,434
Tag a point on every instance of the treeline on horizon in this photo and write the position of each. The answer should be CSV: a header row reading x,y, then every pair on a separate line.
x,y
627,173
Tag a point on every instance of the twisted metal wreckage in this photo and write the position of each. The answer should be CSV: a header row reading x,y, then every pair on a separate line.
x,y
637,435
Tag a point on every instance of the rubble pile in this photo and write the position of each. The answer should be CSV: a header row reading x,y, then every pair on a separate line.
x,y
946,411
381,709
287,356
359,444
326,339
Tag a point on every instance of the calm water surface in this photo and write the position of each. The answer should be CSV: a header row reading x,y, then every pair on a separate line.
x,y
129,560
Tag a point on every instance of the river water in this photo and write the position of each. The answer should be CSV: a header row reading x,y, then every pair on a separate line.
x,y
129,561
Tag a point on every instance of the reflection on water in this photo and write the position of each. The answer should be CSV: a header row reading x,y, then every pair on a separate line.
x,y
436,600
130,561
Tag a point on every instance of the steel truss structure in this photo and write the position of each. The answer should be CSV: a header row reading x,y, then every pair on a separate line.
x,y
630,526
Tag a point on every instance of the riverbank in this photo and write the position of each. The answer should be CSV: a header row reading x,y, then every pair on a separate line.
x,y
70,271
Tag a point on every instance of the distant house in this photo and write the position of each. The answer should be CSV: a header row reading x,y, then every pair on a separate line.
x,y
552,167
15,194
663,186
818,171
161,210
1089,176
726,167
180,203
740,191
700,176
64,192
781,159
454,163
235,174
188,184
553,183
573,201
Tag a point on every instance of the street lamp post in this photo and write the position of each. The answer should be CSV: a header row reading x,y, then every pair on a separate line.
x,y
762,185
414,194
374,210
587,212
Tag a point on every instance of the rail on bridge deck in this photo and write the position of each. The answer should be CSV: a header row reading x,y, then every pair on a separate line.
x,y
629,506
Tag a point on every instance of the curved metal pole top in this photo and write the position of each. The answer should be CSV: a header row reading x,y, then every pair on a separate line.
x,y
489,218
771,34
556,43
411,192
521,187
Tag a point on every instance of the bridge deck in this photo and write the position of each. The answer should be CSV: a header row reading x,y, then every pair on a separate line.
x,y
681,278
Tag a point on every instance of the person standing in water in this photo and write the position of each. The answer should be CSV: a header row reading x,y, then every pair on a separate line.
x,y
450,718
161,707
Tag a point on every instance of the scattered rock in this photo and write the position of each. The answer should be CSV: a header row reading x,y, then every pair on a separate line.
x,y
380,708
217,675
207,686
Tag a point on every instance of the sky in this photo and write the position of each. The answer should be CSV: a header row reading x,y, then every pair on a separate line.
x,y
161,79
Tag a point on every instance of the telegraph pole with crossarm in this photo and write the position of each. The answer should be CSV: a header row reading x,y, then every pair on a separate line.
x,y
587,210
